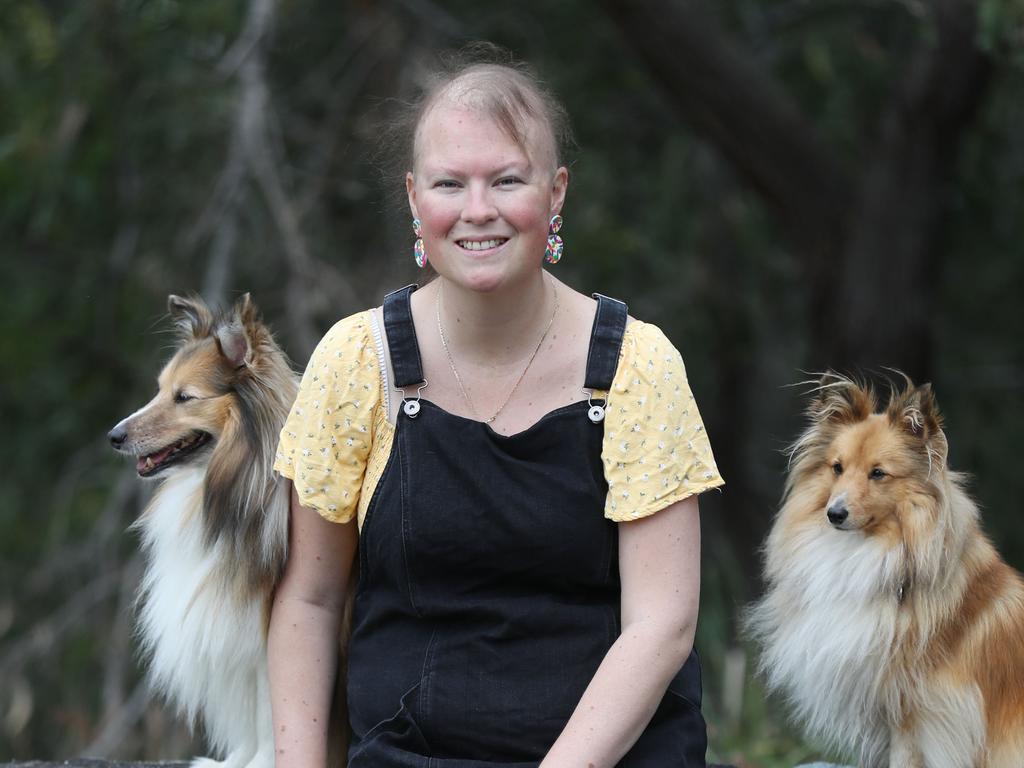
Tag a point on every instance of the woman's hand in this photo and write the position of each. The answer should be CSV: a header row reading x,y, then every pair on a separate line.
x,y
659,565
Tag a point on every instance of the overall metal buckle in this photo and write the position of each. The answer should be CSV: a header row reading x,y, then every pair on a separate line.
x,y
412,407
595,412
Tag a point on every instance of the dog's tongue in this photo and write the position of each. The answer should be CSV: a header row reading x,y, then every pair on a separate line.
x,y
154,459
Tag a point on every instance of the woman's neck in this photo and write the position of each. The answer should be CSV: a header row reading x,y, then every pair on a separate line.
x,y
498,327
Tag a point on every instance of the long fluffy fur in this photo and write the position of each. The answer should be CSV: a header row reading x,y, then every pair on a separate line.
x,y
215,535
895,635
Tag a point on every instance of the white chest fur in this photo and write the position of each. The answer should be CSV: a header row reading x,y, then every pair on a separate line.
x,y
205,643
828,626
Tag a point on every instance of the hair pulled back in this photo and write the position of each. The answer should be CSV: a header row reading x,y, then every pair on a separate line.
x,y
482,77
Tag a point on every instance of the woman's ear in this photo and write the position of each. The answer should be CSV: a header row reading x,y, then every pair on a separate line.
x,y
410,190
559,185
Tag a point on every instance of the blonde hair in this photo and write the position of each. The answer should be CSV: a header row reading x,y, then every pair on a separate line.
x,y
487,79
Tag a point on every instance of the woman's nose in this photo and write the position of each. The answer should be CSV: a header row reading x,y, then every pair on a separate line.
x,y
479,207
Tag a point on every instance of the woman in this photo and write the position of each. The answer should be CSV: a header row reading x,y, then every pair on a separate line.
x,y
497,445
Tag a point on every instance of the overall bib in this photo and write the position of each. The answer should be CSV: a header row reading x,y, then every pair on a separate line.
x,y
489,585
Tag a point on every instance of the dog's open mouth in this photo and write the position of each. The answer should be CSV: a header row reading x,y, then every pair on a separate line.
x,y
152,463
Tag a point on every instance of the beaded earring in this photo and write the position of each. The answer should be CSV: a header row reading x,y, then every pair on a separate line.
x,y
419,253
553,252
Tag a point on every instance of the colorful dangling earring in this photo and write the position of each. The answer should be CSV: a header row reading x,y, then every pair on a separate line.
x,y
555,245
419,253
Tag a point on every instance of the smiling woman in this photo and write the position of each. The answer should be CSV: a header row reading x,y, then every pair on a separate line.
x,y
483,201
519,602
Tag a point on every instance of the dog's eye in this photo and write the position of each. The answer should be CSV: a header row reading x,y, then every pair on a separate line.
x,y
837,468
876,474
181,397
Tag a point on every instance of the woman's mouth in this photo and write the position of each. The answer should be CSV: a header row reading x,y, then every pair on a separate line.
x,y
481,245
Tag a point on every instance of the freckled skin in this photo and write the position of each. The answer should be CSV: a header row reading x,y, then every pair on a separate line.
x,y
471,180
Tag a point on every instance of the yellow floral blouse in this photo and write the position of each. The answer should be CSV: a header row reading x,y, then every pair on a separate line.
x,y
337,438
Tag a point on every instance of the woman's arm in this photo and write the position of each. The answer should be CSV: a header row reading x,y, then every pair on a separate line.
x,y
303,637
659,564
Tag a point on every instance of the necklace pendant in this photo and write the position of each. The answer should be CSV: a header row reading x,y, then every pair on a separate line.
x,y
596,413
411,408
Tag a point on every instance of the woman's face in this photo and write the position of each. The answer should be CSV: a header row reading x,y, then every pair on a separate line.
x,y
484,203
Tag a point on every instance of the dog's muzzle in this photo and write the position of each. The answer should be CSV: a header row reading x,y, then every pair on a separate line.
x,y
118,435
837,513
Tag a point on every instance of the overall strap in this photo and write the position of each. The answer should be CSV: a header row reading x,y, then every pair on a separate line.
x,y
605,342
405,351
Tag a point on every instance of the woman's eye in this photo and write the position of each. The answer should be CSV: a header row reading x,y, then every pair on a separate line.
x,y
181,397
876,474
837,468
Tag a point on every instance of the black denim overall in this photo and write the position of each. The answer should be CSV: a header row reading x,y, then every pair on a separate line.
x,y
489,585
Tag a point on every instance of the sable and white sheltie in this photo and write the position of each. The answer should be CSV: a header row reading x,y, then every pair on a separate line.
x,y
890,623
216,533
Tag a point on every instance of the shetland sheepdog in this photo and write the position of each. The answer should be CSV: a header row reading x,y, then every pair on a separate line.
x,y
890,623
215,535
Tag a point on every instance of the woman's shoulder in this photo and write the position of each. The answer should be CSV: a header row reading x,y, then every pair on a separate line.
x,y
351,337
643,332
640,333
640,338
636,329
647,354
348,330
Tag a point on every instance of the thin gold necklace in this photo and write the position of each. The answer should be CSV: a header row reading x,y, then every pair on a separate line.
x,y
451,362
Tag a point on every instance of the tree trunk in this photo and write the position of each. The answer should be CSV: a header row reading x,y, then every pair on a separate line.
x,y
868,242
882,308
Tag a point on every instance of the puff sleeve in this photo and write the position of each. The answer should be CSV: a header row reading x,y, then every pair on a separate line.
x,y
326,439
655,450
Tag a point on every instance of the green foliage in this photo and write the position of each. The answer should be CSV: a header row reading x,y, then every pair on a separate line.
x,y
118,133
1001,29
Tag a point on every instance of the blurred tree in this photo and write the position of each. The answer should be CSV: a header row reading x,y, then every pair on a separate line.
x,y
866,234
779,185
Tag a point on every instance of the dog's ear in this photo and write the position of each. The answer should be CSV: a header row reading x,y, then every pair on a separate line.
x,y
841,400
233,343
191,316
240,337
916,412
245,311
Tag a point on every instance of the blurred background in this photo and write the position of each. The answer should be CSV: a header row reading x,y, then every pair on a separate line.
x,y
781,185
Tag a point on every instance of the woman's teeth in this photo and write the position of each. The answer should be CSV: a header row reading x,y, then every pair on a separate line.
x,y
480,245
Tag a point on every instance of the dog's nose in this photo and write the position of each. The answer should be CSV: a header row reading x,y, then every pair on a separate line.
x,y
837,513
117,436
